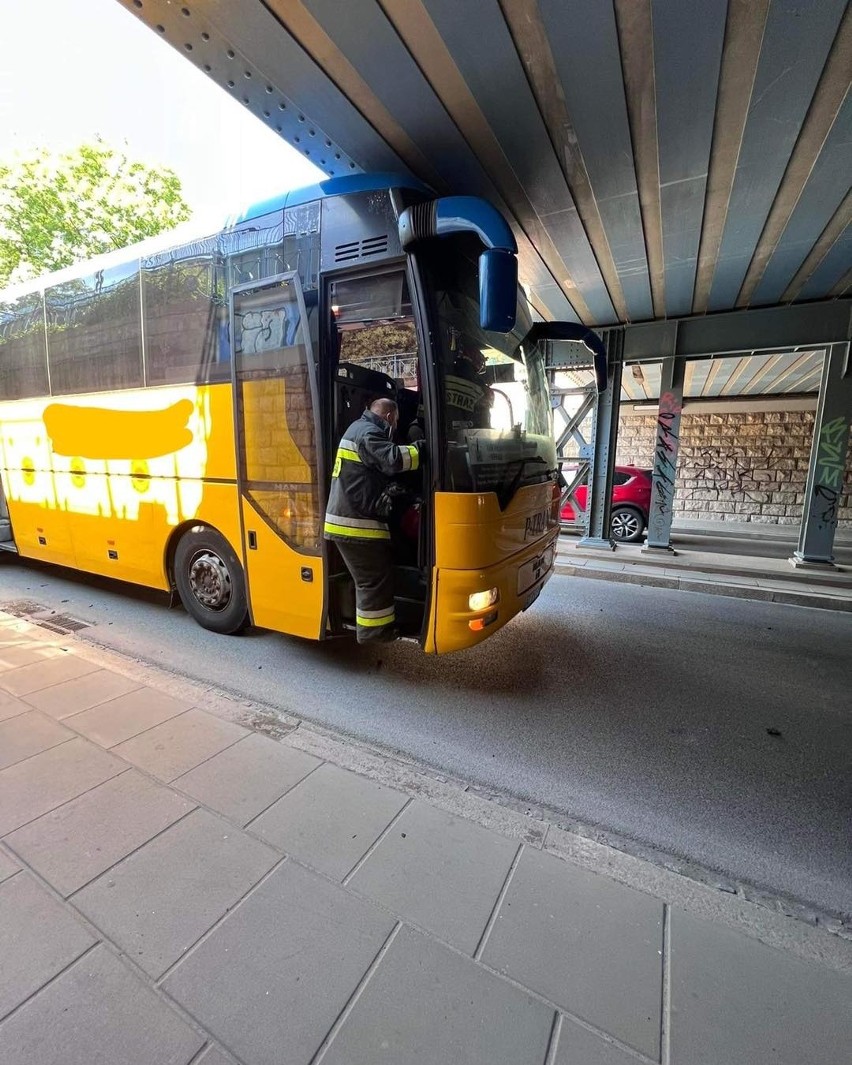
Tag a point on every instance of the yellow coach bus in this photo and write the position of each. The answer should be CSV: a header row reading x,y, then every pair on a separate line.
x,y
169,414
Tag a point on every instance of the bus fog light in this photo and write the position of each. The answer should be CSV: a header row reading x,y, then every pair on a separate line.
x,y
483,600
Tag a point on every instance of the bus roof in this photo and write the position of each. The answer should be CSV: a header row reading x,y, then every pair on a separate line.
x,y
190,231
336,186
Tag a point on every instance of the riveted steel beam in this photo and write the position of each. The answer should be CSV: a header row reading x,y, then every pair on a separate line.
x,y
665,455
759,329
828,461
602,467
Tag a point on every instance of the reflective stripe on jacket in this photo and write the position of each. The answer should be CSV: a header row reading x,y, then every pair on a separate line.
x,y
366,461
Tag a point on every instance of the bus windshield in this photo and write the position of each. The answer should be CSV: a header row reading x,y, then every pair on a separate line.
x,y
492,387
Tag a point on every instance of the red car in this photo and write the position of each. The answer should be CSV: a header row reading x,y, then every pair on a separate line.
x,y
631,499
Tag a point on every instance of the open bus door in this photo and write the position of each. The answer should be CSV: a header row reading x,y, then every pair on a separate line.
x,y
374,353
278,455
7,542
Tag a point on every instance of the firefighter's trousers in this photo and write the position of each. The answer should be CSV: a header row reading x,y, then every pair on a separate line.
x,y
371,566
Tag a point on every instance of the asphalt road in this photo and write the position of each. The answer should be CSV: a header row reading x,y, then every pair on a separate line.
x,y
639,712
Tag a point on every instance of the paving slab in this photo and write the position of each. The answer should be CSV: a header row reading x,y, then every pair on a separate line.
x,y
245,779
270,981
97,1013
32,678
7,867
38,939
734,999
75,843
29,734
157,902
26,652
109,723
427,1005
169,750
72,696
45,781
440,871
579,1046
11,707
331,819
214,1056
588,944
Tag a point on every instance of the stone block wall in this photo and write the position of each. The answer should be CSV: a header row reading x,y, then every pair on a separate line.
x,y
736,467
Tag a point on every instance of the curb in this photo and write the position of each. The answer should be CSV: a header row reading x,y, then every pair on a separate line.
x,y
708,587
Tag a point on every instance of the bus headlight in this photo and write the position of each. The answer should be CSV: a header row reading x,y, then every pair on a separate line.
x,y
483,600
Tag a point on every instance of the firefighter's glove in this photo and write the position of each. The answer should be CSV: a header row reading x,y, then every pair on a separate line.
x,y
384,504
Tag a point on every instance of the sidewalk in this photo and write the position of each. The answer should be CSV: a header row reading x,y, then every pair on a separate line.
x,y
185,881
742,576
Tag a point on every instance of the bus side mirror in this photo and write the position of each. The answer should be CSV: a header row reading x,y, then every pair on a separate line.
x,y
498,290
575,331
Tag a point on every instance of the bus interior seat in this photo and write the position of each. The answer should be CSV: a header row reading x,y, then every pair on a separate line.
x,y
357,387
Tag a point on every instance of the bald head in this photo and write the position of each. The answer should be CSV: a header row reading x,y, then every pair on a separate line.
x,y
383,407
387,410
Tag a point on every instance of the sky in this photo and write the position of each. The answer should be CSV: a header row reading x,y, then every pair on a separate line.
x,y
71,69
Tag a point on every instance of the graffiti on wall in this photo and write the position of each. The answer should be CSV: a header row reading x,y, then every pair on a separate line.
x,y
728,474
828,484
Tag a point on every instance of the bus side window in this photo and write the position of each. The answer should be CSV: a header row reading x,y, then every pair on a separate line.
x,y
182,298
23,348
95,332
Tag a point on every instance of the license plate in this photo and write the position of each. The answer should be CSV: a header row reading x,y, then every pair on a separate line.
x,y
529,599
533,571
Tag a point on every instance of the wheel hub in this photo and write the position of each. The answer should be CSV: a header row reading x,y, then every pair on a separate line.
x,y
210,580
624,525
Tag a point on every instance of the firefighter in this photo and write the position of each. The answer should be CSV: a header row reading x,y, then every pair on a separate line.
x,y
359,504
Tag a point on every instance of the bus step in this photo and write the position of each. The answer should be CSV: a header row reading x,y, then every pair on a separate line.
x,y
8,545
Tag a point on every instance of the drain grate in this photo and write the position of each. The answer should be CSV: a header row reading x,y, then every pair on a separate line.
x,y
22,607
62,624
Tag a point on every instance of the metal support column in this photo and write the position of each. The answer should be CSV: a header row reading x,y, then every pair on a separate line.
x,y
665,456
599,505
828,461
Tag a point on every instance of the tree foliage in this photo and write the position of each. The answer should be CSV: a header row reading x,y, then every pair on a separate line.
x,y
56,209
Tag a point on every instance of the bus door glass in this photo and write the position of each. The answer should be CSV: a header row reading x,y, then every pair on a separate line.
x,y
275,404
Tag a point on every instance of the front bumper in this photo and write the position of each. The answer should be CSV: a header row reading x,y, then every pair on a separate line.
x,y
519,580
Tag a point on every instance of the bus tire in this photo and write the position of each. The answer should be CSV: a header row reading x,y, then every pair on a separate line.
x,y
210,581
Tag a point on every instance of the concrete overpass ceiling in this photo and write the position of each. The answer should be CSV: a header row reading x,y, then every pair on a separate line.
x,y
658,158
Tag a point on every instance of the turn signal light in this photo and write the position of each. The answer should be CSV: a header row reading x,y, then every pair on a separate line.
x,y
478,624
483,600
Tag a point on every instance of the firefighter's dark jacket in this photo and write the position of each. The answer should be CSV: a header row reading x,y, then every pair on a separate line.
x,y
366,460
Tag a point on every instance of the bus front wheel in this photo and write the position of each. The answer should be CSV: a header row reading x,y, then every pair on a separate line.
x,y
210,581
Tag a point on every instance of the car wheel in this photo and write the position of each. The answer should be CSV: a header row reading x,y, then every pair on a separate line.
x,y
627,525
210,581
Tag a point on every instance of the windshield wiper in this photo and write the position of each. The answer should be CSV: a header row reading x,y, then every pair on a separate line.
x,y
505,493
